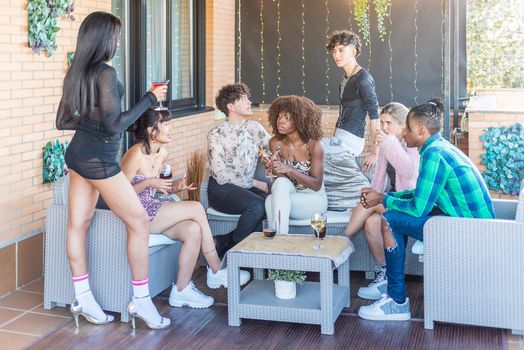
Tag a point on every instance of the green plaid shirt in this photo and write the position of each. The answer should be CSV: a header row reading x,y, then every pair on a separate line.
x,y
447,179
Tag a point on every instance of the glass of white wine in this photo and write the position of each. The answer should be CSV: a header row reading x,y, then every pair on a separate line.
x,y
318,222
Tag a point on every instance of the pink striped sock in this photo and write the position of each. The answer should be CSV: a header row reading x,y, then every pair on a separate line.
x,y
141,288
81,283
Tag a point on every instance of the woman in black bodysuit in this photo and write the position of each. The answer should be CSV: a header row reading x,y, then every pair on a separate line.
x,y
91,105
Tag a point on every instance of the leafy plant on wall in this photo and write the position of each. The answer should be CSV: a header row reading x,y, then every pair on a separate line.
x,y
54,161
361,12
504,158
382,11
42,15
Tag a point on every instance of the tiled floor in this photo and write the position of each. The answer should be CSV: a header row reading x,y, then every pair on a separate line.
x,y
23,319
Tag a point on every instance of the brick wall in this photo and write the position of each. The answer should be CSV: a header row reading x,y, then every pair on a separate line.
x,y
30,89
478,123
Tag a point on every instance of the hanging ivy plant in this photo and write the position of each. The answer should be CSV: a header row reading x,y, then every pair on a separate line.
x,y
54,161
42,15
504,158
382,11
361,13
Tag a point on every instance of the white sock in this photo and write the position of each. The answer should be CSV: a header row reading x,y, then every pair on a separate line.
x,y
85,297
140,288
144,305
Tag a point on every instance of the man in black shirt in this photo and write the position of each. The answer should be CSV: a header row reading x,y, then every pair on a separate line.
x,y
357,97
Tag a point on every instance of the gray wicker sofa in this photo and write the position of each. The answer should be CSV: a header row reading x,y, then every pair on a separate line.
x,y
109,273
473,268
360,260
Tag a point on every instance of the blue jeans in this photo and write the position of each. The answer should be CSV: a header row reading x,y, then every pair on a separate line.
x,y
401,226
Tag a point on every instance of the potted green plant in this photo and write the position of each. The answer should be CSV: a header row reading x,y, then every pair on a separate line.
x,y
286,282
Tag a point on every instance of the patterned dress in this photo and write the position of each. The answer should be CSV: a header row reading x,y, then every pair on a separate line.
x,y
147,197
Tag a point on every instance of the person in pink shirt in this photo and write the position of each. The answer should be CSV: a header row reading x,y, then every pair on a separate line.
x,y
396,169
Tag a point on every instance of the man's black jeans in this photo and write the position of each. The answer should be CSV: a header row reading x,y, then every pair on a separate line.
x,y
232,199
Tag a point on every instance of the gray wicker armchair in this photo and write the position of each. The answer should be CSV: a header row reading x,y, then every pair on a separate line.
x,y
109,272
360,260
473,269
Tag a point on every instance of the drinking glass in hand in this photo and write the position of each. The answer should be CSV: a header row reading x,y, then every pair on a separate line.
x,y
160,83
318,222
268,229
165,172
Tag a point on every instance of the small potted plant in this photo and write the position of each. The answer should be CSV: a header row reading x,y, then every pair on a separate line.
x,y
286,282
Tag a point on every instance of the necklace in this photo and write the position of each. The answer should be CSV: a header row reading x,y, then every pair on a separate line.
x,y
353,72
291,148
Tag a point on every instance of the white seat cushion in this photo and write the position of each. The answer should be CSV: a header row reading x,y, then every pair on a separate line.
x,y
418,248
333,217
212,211
155,240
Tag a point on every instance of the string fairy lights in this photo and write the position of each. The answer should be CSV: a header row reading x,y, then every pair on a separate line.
x,y
442,43
328,91
390,54
239,41
263,82
416,55
303,50
279,39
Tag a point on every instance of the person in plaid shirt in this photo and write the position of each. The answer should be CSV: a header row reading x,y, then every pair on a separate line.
x,y
448,184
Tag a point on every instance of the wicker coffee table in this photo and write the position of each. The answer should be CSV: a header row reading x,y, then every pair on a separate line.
x,y
316,302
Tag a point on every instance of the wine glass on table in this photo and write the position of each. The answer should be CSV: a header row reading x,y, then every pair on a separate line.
x,y
157,84
318,222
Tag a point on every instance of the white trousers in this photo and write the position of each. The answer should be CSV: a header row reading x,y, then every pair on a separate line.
x,y
290,203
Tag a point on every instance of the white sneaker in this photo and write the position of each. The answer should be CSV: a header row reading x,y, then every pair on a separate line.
x,y
189,296
215,280
386,309
376,288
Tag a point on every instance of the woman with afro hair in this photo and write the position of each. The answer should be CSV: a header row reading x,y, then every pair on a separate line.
x,y
297,161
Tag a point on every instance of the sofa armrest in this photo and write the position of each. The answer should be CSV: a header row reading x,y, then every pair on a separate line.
x,y
505,208
203,193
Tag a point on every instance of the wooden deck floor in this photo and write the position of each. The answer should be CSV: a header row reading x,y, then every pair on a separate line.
x,y
208,329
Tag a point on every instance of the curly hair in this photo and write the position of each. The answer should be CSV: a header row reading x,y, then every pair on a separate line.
x,y
344,37
305,114
229,94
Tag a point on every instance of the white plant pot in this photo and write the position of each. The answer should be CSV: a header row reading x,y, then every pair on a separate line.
x,y
285,289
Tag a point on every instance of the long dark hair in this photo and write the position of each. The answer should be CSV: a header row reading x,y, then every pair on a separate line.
x,y
149,119
96,44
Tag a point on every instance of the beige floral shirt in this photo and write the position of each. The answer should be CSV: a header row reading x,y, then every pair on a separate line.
x,y
233,151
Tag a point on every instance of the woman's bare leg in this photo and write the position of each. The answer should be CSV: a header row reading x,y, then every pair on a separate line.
x,y
122,199
373,231
357,220
189,233
82,199
172,213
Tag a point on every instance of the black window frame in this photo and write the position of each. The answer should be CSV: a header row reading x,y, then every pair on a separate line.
x,y
138,59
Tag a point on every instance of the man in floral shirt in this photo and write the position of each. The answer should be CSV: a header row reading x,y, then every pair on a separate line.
x,y
233,149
